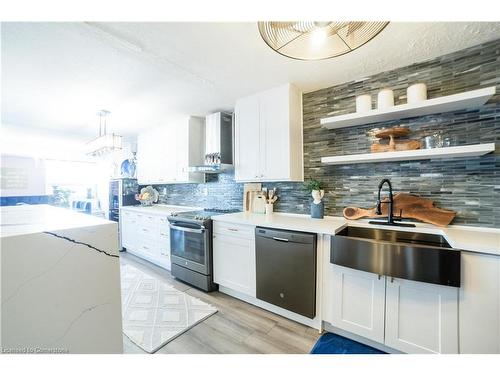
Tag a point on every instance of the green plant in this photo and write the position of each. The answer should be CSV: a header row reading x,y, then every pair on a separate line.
x,y
314,185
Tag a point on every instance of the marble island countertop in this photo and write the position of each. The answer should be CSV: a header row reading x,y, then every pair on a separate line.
x,y
60,281
476,239
27,219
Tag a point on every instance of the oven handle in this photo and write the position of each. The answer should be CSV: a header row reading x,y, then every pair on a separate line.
x,y
190,230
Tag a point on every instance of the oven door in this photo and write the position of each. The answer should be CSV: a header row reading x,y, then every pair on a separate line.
x,y
189,246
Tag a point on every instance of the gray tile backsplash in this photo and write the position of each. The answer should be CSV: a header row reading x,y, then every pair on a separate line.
x,y
469,186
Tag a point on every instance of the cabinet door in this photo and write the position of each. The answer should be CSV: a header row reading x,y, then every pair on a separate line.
x,y
479,304
144,157
421,317
234,263
247,142
128,224
275,134
164,242
358,302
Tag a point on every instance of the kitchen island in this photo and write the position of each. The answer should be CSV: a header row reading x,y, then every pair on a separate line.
x,y
60,282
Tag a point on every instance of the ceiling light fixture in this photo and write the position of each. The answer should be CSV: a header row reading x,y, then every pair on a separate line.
x,y
307,40
104,143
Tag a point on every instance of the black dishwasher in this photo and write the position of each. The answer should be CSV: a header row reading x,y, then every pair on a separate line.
x,y
286,269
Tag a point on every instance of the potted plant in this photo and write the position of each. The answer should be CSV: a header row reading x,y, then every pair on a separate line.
x,y
317,206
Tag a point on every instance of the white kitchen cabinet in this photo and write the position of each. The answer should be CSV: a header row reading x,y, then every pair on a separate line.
x,y
408,316
479,304
358,302
268,136
247,139
128,223
165,153
421,317
234,257
146,236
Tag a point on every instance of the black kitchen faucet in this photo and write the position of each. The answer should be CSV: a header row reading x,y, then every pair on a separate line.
x,y
390,211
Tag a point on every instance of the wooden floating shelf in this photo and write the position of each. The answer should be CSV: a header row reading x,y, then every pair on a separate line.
x,y
433,153
465,100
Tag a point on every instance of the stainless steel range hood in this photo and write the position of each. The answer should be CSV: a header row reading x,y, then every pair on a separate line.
x,y
218,144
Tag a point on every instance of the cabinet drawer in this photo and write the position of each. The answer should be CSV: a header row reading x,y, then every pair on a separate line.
x,y
245,231
146,232
164,240
149,220
164,231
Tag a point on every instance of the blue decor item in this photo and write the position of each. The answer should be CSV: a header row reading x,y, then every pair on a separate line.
x,y
317,210
128,168
13,201
330,343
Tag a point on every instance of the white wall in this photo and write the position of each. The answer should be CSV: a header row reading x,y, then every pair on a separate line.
x,y
22,176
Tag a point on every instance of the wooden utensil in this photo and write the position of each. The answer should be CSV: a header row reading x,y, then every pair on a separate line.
x,y
411,144
247,196
411,206
394,145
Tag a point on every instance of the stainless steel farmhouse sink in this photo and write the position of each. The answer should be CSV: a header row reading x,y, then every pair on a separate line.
x,y
408,255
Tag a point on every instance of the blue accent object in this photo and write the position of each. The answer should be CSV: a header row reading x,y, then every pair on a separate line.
x,y
35,199
317,210
330,343
128,168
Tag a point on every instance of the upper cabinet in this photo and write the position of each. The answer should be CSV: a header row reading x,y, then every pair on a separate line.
x,y
268,136
165,153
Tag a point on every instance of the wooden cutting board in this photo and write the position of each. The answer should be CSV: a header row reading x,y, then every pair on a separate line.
x,y
412,206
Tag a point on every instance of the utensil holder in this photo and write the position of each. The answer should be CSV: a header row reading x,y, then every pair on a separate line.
x,y
269,209
317,210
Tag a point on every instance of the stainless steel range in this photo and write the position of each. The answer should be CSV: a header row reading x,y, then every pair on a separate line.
x,y
191,247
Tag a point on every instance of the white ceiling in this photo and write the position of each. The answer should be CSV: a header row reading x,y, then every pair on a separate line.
x,y
56,76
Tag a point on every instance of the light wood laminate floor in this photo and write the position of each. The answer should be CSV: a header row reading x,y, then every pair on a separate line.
x,y
237,328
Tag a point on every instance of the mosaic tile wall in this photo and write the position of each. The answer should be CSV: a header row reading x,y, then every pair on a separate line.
x,y
469,186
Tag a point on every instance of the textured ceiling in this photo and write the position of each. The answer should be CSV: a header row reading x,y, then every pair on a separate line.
x,y
57,75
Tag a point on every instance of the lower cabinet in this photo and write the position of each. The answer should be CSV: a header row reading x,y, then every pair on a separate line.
x,y
479,304
409,316
358,302
234,257
421,317
146,236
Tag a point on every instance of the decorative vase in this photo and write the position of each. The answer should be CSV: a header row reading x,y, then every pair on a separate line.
x,y
385,99
363,103
416,93
317,206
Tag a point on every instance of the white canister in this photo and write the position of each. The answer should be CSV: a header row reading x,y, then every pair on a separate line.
x,y
416,93
363,103
269,209
385,99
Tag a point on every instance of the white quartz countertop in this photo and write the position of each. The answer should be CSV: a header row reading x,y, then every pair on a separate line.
x,y
27,219
475,239
159,209
301,223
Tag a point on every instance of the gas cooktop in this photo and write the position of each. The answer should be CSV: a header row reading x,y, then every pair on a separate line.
x,y
201,215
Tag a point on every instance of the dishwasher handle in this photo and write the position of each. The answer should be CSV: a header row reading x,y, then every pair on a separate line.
x,y
287,236
280,239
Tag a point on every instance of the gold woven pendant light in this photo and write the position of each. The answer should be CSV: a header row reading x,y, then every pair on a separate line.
x,y
310,40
